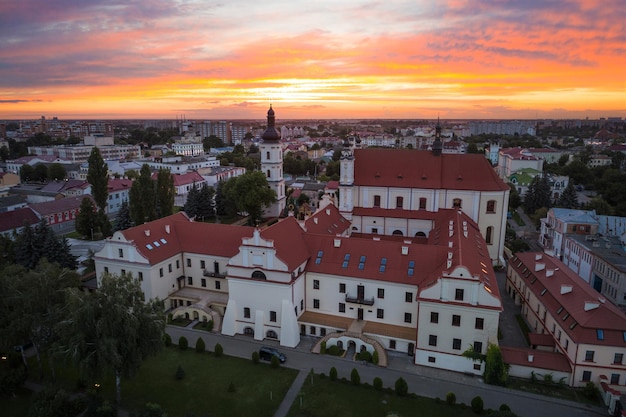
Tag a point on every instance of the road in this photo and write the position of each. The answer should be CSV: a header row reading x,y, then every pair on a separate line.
x,y
424,381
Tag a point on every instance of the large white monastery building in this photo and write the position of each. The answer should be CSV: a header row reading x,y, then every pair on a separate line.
x,y
402,264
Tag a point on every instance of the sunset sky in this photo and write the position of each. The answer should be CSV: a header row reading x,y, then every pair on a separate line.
x,y
313,59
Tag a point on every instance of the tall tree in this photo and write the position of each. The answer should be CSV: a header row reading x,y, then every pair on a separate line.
x,y
98,177
569,198
27,173
251,194
86,221
191,205
41,172
142,198
123,220
496,372
538,194
206,203
31,245
165,193
56,172
112,329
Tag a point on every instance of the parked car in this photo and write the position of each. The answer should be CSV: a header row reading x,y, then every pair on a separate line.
x,y
266,353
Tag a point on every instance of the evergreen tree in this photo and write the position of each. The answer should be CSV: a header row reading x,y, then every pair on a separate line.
x,y
56,172
165,193
26,250
123,220
103,223
31,245
496,372
98,177
206,205
143,198
191,205
568,198
86,221
538,195
222,205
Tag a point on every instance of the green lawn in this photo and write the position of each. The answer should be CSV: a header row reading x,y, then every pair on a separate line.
x,y
518,219
334,398
203,391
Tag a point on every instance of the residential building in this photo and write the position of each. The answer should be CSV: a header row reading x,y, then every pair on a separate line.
x,y
12,202
119,191
8,179
180,165
14,221
59,214
599,161
589,332
513,159
80,153
213,175
560,223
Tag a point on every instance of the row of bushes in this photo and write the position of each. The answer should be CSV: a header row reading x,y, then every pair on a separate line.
x,y
361,356
183,344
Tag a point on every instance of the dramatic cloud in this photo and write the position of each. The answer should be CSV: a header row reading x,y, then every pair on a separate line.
x,y
328,58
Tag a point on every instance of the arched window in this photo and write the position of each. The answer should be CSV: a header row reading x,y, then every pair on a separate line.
x,y
258,275
489,235
422,203
397,233
268,173
457,203
376,201
271,334
399,202
491,206
420,234
248,331
267,155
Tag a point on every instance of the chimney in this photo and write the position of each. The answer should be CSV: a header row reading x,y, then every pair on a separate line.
x,y
531,357
167,229
337,243
405,250
147,232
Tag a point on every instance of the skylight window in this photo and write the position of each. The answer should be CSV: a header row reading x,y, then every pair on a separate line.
x,y
319,257
346,259
544,291
361,265
600,334
559,310
163,241
149,246
382,268
565,316
362,259
155,243
320,253
383,261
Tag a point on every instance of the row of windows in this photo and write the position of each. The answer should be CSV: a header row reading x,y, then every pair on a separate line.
x,y
456,343
380,313
479,323
456,203
408,296
246,314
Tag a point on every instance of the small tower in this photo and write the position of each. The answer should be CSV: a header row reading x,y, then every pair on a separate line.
x,y
437,145
272,164
346,179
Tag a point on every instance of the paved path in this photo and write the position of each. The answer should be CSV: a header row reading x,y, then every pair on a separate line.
x,y
292,394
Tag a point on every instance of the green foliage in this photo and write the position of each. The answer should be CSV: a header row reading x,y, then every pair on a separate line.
x,y
275,362
451,398
375,357
123,220
332,375
568,199
13,374
219,350
514,198
470,353
364,356
378,384
86,220
56,172
53,402
41,172
142,197
504,407
209,325
200,346
323,348
496,371
98,177
250,193
165,193
591,391
255,357
167,340
31,245
334,350
401,387
355,378
183,343
152,410
27,173
112,329
477,405
180,373
538,194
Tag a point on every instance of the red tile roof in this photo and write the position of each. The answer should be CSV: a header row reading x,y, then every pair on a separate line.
x,y
15,219
289,242
327,221
587,311
537,339
552,361
421,169
119,184
58,206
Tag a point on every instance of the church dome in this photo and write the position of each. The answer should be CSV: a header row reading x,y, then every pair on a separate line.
x,y
271,134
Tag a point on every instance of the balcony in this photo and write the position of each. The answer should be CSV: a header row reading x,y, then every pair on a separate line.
x,y
214,274
359,300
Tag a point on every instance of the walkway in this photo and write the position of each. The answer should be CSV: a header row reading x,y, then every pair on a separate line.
x,y
292,394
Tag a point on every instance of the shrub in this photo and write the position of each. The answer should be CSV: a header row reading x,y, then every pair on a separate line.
x,y
504,407
209,325
355,377
402,387
590,391
334,350
255,357
375,357
167,340
364,356
183,343
180,373
219,350
53,401
323,348
378,383
333,374
451,398
232,387
477,404
275,362
200,347
170,318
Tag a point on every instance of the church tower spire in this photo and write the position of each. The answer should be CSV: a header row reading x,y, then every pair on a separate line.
x,y
272,164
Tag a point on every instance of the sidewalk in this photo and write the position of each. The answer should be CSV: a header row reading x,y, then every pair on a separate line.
x,y
292,394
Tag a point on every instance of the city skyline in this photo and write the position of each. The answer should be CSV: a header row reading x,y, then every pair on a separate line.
x,y
318,60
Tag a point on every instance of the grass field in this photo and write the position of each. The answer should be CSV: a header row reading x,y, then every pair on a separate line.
x,y
325,398
204,390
